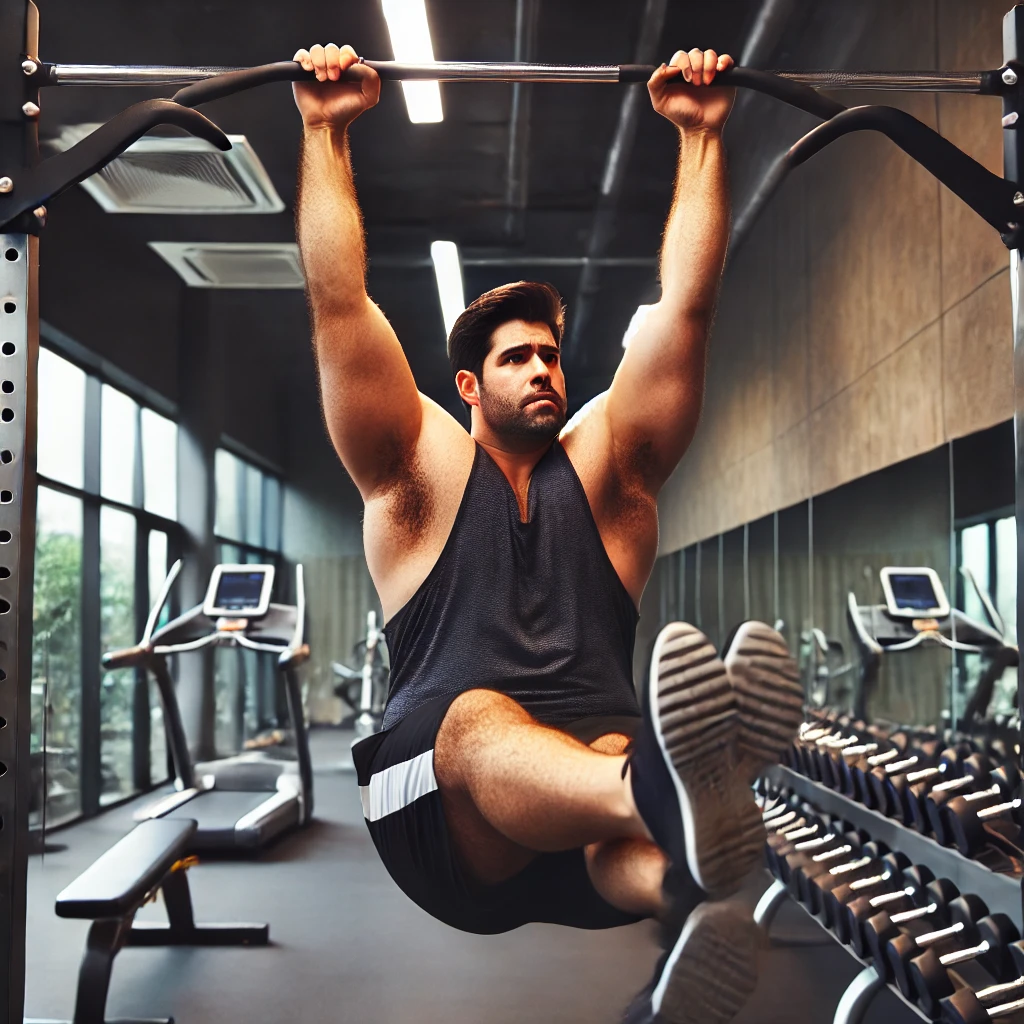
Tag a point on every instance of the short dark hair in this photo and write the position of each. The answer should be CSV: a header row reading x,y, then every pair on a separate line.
x,y
532,301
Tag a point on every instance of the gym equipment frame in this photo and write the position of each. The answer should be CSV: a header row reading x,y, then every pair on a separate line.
x,y
27,184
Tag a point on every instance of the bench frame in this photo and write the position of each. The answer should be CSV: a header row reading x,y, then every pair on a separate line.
x,y
109,935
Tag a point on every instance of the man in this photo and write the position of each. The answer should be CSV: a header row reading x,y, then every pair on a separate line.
x,y
510,562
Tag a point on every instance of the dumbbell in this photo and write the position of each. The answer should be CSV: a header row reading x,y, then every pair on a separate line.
x,y
932,912
1000,786
961,930
864,863
852,758
968,1007
903,790
780,843
913,893
833,902
929,979
882,777
805,852
977,774
862,775
808,864
971,829
832,756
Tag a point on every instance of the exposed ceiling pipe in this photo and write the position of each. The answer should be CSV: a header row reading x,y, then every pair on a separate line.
x,y
651,25
517,177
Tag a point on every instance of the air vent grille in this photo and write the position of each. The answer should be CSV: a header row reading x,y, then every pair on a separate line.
x,y
180,175
234,264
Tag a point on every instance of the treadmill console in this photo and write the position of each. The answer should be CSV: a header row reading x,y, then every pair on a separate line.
x,y
914,593
239,591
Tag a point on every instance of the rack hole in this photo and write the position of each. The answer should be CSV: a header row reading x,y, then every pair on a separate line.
x,y
5,573
3,768
3,722
7,415
10,307
3,675
8,348
5,606
6,456
6,497
11,254
7,387
5,538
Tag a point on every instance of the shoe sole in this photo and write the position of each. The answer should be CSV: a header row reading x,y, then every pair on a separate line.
x,y
769,697
711,971
695,720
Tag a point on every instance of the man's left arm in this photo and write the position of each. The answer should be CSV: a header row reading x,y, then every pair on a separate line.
x,y
654,402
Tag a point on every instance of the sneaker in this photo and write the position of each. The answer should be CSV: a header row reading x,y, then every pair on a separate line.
x,y
696,806
769,697
707,976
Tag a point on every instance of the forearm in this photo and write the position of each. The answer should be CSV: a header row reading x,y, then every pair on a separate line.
x,y
697,231
329,225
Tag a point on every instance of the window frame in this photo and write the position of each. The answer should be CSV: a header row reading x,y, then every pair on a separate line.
x,y
91,671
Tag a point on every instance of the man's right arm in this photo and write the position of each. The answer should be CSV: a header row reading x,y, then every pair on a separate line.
x,y
371,405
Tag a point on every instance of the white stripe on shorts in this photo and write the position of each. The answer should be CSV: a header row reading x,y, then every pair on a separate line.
x,y
398,786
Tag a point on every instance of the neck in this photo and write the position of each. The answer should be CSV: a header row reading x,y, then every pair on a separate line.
x,y
516,463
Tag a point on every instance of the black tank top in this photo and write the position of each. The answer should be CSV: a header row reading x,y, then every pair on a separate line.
x,y
535,609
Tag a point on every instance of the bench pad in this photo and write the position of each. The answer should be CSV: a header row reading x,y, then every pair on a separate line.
x,y
116,884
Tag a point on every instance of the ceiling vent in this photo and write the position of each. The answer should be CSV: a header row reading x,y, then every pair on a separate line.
x,y
177,175
259,265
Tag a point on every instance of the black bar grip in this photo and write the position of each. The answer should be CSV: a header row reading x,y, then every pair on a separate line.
x,y
794,93
238,81
636,72
988,194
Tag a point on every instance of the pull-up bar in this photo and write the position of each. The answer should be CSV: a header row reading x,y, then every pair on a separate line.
x,y
467,71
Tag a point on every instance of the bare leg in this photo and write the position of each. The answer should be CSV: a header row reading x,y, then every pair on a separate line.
x,y
628,873
512,787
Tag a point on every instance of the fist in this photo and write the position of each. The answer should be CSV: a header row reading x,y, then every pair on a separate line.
x,y
331,100
679,90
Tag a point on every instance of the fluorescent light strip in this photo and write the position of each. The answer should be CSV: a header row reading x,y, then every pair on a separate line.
x,y
448,271
634,325
410,42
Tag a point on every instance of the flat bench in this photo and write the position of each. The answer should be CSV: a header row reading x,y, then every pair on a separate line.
x,y
150,859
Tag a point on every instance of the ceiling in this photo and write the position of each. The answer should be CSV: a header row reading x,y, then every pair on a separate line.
x,y
416,182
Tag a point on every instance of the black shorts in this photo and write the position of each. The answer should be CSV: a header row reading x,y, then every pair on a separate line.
x,y
402,808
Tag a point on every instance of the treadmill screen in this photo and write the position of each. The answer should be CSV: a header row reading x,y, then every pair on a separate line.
x,y
240,591
913,592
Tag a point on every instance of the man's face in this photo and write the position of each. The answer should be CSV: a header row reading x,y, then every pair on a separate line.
x,y
522,393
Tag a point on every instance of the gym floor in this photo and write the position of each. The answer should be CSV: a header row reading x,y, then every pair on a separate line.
x,y
347,945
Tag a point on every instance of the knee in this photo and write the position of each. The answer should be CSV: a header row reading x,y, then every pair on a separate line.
x,y
469,717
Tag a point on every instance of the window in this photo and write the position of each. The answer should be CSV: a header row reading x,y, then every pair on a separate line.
x,y
248,528
248,506
57,658
110,520
61,419
989,550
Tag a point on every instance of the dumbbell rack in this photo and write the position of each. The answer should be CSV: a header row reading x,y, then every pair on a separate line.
x,y
997,890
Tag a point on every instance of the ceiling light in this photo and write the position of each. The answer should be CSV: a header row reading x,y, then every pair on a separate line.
x,y
448,270
410,42
635,324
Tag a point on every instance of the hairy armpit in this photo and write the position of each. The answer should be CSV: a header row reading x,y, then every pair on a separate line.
x,y
405,494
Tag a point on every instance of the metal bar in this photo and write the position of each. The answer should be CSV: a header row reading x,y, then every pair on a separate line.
x,y
1013,163
468,71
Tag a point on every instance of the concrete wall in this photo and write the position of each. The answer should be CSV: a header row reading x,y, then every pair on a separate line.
x,y
866,317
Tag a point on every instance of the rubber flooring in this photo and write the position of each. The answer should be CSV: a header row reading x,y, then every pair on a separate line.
x,y
348,946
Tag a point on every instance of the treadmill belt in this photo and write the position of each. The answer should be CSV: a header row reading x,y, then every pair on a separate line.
x,y
217,810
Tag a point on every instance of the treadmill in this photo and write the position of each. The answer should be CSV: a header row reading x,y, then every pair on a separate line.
x,y
244,801
917,612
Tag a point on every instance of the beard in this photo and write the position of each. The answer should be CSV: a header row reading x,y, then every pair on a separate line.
x,y
519,424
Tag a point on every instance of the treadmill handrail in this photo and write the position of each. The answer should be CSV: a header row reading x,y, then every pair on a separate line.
x,y
191,645
158,606
300,608
869,642
934,637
